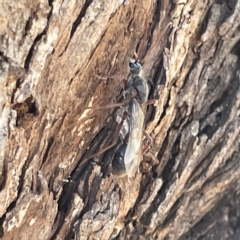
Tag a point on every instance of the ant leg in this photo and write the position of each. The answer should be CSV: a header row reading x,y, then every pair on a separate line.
x,y
149,154
115,138
109,106
154,161
113,105
115,76
152,101
149,144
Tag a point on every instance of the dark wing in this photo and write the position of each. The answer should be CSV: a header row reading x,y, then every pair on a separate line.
x,y
133,152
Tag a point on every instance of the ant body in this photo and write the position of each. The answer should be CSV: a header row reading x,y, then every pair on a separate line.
x,y
127,157
128,151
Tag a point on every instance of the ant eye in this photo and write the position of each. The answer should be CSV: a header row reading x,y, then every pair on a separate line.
x,y
131,65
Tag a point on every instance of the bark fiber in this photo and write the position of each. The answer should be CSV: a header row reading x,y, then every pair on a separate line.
x,y
50,54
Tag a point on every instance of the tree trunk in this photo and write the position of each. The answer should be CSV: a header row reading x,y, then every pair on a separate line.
x,y
51,53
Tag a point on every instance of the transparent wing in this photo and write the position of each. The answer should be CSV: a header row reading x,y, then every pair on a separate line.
x,y
133,152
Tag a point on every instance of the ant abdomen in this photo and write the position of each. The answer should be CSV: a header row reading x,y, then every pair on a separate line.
x,y
114,160
118,165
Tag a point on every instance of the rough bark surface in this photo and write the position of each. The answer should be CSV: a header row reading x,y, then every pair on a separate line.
x,y
50,53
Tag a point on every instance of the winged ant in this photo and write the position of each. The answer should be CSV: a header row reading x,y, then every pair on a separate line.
x,y
127,150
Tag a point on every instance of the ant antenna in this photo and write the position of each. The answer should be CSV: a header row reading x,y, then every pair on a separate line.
x,y
145,33
158,37
138,57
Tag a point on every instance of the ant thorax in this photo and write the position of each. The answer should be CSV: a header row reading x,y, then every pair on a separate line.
x,y
136,83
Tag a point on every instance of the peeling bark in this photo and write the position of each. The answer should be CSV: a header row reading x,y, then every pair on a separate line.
x,y
51,52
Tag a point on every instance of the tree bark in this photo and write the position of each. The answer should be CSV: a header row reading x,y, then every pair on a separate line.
x,y
51,53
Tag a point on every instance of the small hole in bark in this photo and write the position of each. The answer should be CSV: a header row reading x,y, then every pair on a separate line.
x,y
208,131
25,110
50,2
1,232
236,49
134,223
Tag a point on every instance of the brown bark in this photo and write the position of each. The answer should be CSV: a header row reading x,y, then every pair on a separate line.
x,y
50,54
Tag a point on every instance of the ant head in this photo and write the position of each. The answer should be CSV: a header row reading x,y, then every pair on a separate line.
x,y
135,66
